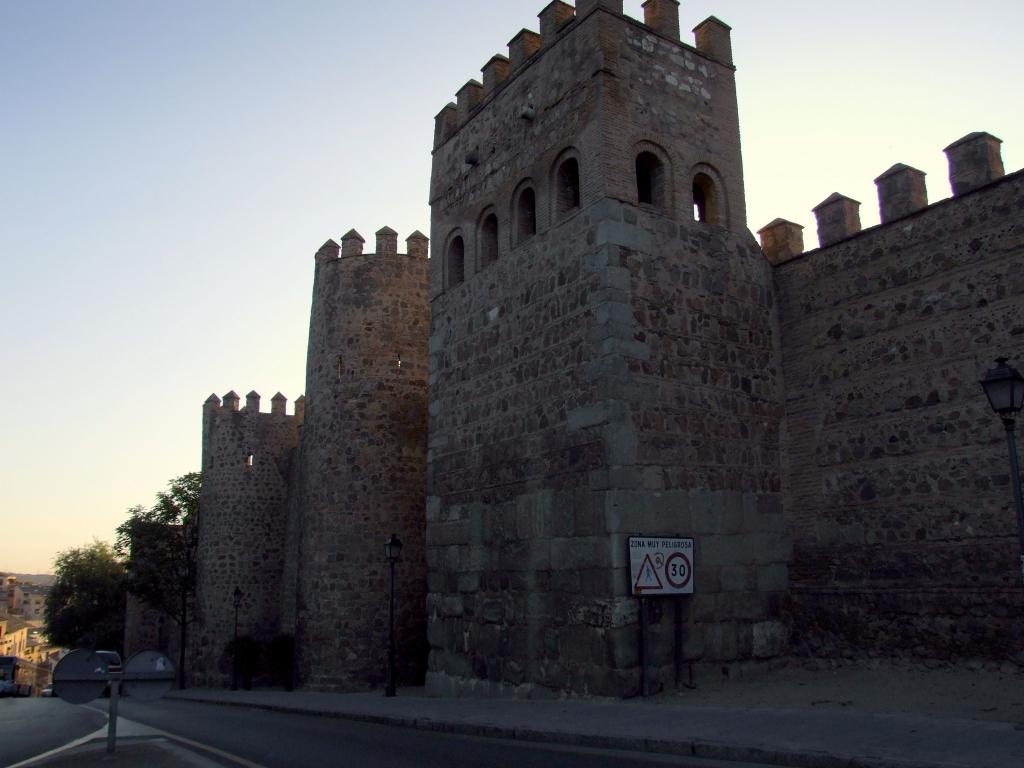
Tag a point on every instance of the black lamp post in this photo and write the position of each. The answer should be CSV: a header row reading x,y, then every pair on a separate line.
x,y
392,551
237,598
1004,387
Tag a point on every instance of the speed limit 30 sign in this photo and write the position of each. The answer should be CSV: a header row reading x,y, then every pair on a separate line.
x,y
660,566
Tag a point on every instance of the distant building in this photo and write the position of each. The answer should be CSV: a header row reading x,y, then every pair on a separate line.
x,y
29,601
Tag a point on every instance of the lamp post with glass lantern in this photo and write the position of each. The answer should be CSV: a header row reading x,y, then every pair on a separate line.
x,y
1004,388
392,551
237,599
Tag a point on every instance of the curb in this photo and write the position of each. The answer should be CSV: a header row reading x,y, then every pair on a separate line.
x,y
683,748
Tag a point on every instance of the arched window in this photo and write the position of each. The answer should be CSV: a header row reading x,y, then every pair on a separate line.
x,y
706,205
650,179
456,261
526,215
567,186
488,240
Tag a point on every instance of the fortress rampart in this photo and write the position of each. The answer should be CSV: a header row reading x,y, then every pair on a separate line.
x,y
897,488
295,508
598,348
247,458
363,462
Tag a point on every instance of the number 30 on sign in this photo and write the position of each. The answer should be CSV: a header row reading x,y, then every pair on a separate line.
x,y
660,566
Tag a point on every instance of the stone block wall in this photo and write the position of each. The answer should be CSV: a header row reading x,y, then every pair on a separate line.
x,y
242,521
897,484
363,464
700,393
615,373
148,629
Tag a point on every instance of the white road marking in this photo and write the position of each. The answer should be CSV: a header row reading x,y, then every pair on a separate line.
x,y
100,734
129,726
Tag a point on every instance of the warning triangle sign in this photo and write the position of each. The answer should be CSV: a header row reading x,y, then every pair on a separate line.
x,y
648,577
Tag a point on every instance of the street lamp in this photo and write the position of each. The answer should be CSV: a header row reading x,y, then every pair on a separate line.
x,y
392,551
1004,388
237,599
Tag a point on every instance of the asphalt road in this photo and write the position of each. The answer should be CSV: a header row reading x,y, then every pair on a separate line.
x,y
29,727
282,740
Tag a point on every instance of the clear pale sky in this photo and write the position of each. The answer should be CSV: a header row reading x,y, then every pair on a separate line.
x,y
169,168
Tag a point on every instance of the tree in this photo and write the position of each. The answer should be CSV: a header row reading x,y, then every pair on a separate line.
x,y
85,607
159,547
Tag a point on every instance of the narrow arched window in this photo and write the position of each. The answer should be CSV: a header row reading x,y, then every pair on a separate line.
x,y
650,179
567,182
488,240
456,262
706,205
526,215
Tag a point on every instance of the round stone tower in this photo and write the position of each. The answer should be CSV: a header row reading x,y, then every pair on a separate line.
x,y
363,463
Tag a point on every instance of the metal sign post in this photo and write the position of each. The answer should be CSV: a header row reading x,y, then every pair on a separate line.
x,y
114,675
660,567
82,675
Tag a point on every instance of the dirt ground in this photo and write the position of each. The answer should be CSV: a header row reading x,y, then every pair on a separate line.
x,y
973,690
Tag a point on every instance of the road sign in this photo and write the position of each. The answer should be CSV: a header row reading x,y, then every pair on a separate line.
x,y
80,677
148,675
660,566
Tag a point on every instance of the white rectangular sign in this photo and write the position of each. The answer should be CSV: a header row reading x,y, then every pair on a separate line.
x,y
660,566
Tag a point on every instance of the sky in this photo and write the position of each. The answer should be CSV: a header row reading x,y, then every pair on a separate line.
x,y
168,169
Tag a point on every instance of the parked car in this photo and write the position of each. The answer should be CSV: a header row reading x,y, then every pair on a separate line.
x,y
47,691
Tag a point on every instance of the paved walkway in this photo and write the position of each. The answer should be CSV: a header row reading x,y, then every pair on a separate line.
x,y
806,737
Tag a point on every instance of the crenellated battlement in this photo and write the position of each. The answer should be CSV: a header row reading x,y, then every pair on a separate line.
x,y
417,246
712,38
231,401
975,161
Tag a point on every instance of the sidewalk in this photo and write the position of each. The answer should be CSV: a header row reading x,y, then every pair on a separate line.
x,y
804,736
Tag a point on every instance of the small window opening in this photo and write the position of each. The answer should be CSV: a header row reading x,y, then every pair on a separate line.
x,y
249,460
489,241
705,200
650,179
526,215
340,367
568,182
399,362
456,262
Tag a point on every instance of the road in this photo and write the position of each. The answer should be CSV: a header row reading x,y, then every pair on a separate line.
x,y
280,740
29,727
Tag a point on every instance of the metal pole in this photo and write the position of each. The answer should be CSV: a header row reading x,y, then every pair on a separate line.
x,y
643,647
390,689
1011,443
234,655
115,686
677,649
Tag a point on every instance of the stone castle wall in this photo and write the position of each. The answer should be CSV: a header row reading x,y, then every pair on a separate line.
x,y
246,463
149,629
897,489
584,385
608,355
363,463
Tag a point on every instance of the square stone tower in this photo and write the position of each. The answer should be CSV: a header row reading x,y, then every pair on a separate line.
x,y
604,361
